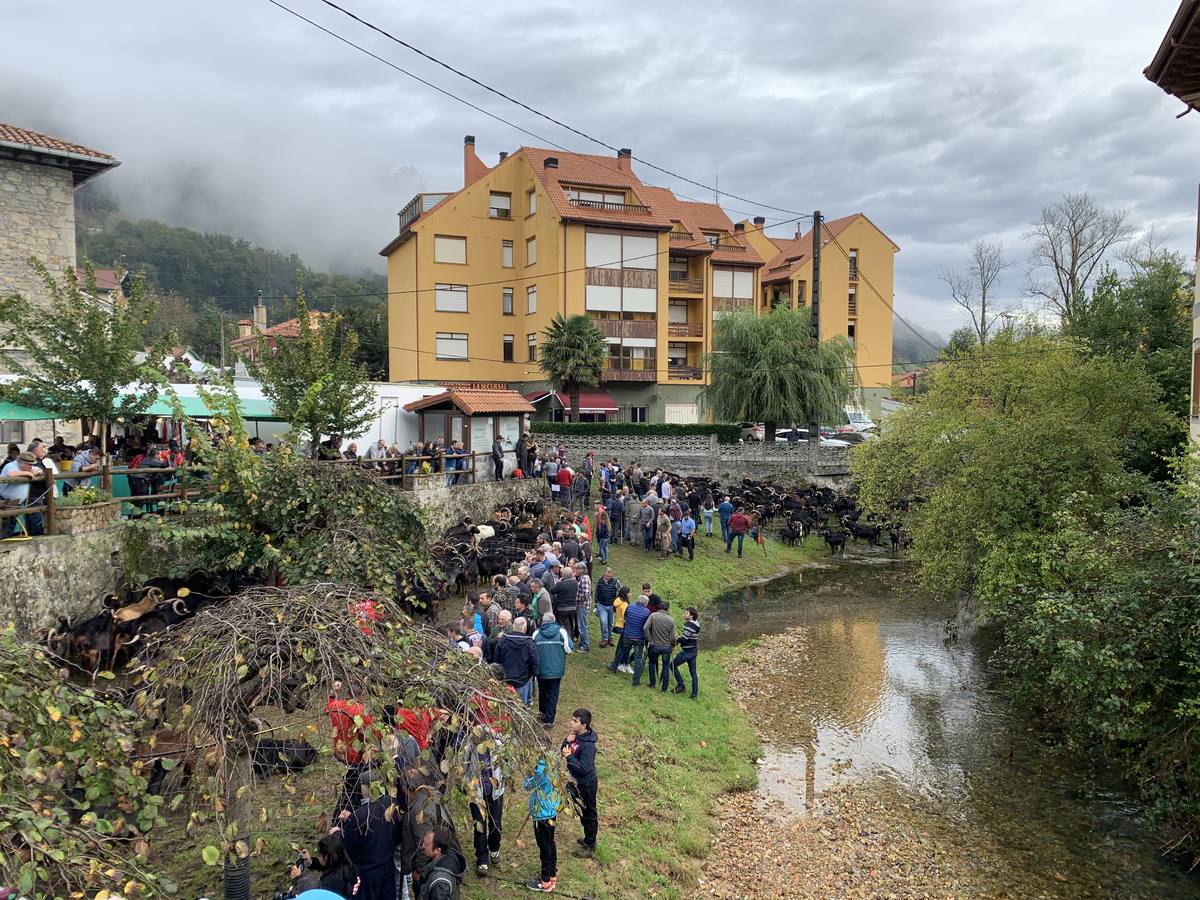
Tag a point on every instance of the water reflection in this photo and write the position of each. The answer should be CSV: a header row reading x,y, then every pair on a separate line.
x,y
880,692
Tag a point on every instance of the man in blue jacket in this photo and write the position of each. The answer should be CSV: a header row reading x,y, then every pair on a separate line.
x,y
635,622
725,511
553,645
579,750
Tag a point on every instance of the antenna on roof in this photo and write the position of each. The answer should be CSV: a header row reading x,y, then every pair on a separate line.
x,y
717,191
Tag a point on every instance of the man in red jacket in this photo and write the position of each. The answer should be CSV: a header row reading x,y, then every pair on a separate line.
x,y
739,524
349,746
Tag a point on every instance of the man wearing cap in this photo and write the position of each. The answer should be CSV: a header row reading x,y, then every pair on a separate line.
x,y
16,494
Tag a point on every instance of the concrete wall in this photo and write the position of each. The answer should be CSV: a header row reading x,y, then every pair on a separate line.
x,y
48,577
701,454
444,505
37,207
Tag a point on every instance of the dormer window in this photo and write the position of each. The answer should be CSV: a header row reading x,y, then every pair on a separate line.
x,y
586,195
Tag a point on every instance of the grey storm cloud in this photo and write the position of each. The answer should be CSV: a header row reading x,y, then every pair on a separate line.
x,y
944,122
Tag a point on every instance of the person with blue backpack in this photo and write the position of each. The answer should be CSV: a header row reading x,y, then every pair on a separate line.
x,y
544,803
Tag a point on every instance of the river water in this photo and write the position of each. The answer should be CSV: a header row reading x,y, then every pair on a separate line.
x,y
887,693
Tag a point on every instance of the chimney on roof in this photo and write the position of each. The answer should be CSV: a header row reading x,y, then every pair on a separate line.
x,y
473,167
260,314
799,230
503,155
760,221
739,226
625,160
245,328
550,162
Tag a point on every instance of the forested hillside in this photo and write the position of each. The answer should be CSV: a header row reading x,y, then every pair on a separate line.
x,y
201,278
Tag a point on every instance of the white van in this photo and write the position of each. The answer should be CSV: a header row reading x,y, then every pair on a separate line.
x,y
859,420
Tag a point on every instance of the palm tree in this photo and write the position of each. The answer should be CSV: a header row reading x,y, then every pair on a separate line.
x,y
573,356
770,369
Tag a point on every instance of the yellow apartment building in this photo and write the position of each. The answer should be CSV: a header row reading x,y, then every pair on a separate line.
x,y
475,276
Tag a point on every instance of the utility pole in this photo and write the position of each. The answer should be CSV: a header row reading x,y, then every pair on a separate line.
x,y
814,427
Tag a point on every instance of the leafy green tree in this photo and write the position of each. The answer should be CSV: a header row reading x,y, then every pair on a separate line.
x,y
313,379
769,368
78,357
369,321
573,356
1146,317
1004,437
74,802
962,340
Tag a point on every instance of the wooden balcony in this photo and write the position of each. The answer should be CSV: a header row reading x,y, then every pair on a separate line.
x,y
624,328
729,248
686,285
684,373
685,329
683,237
623,373
611,207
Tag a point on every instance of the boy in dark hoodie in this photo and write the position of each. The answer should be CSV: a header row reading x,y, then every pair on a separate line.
x,y
579,750
444,870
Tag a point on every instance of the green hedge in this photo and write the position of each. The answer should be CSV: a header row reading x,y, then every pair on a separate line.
x,y
726,434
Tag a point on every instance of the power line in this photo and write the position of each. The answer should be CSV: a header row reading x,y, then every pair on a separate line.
x,y
499,93
696,245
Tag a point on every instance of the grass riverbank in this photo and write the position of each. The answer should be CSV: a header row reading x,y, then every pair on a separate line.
x,y
664,761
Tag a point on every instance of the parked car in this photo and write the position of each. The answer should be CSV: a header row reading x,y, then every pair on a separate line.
x,y
752,431
857,420
781,437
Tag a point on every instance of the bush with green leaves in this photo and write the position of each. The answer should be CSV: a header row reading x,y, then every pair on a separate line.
x,y
74,812
726,434
87,495
280,515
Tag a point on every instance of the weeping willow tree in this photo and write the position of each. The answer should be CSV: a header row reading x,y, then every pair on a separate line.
x,y
769,368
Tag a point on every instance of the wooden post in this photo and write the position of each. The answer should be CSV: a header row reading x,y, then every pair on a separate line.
x,y
48,502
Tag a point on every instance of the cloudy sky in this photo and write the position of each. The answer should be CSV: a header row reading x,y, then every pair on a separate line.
x,y
945,122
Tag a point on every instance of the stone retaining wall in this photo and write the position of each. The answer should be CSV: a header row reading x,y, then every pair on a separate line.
x,y
446,505
60,575
703,455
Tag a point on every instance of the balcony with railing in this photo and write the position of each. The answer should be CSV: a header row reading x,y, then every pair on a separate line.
x,y
685,329
606,206
627,328
731,304
729,248
684,373
631,370
685,285
421,203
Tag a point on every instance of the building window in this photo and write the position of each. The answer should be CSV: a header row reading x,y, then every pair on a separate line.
x,y
508,348
713,239
506,254
801,292
499,206
450,249
12,432
531,299
850,330
451,345
531,251
677,311
676,354
852,301
595,197
450,298
678,270
732,289
508,301
531,201
531,342
853,264
639,414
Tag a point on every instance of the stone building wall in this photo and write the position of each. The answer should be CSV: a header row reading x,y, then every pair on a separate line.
x,y
60,575
37,209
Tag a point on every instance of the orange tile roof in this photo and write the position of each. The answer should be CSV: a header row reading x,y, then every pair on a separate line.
x,y
588,170
13,134
794,253
288,329
106,279
476,400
